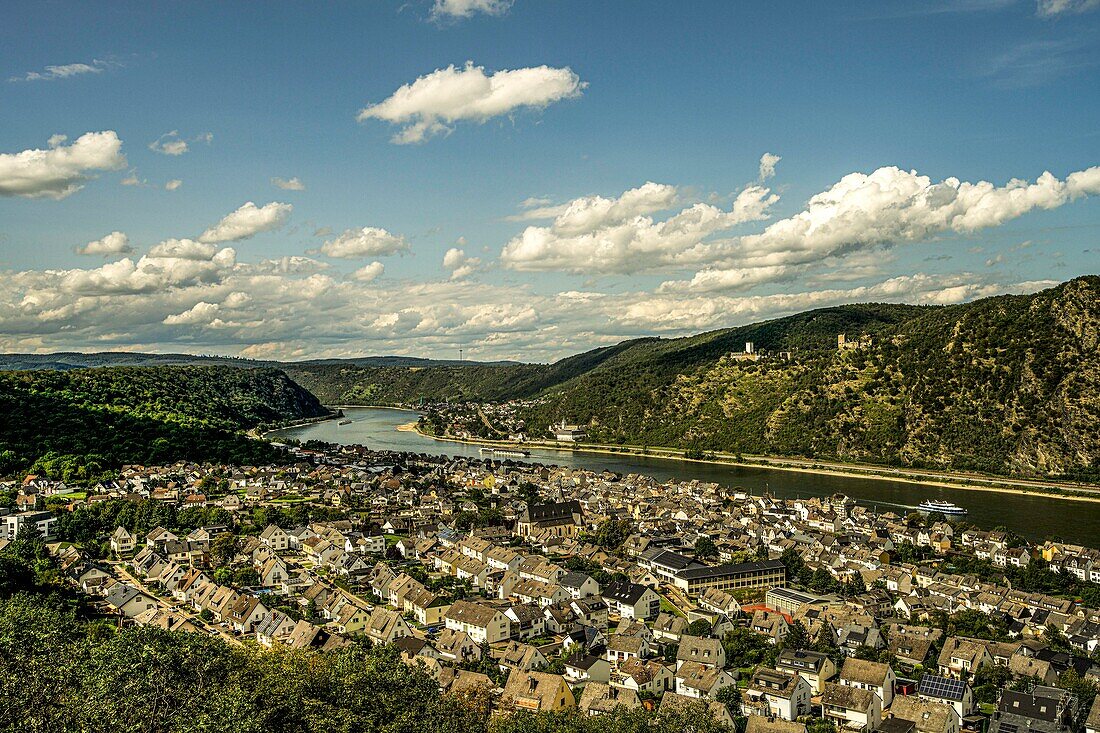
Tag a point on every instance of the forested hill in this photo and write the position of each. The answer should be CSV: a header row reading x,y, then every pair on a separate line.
x,y
1007,385
79,424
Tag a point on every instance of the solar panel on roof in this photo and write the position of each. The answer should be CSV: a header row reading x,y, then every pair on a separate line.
x,y
943,687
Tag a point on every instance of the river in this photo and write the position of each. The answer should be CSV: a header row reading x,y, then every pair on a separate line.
x,y
1034,516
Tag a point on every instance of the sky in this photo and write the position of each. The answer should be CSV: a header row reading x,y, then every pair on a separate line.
x,y
529,179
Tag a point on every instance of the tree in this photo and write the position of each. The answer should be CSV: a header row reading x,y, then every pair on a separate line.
x,y
705,548
612,533
730,697
699,627
797,636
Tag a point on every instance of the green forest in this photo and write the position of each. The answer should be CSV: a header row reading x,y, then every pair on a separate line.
x,y
81,425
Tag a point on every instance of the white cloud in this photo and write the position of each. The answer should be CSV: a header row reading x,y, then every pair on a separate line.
x,y
883,208
60,170
186,249
288,184
170,143
1054,8
248,221
365,242
132,179
114,243
199,314
594,234
466,8
460,265
368,273
173,184
63,71
767,165
433,103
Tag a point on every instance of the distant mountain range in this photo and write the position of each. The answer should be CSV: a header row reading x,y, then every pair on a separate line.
x,y
1004,385
77,360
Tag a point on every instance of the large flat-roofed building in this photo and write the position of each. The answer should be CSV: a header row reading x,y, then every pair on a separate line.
x,y
763,574
791,599
44,522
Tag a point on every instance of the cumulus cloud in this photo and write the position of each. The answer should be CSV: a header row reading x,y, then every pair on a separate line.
x,y
368,273
173,184
60,170
151,273
288,184
767,165
883,208
63,71
170,143
432,104
115,243
185,249
594,234
465,8
248,221
200,313
365,242
1054,8
459,263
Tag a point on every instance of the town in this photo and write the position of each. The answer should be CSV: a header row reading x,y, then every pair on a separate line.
x,y
548,588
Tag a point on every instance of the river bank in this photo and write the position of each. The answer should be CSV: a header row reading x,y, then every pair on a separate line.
x,y
861,471
1037,515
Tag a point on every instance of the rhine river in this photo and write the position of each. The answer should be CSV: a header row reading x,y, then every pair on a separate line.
x,y
1033,516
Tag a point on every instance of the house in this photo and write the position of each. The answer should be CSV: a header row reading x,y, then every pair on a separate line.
x,y
962,657
599,698
877,677
123,542
385,626
777,694
673,701
697,680
581,668
949,691
536,692
701,650
273,627
643,675
1042,710
483,623
621,647
457,646
927,716
668,627
851,707
128,601
519,656
814,667
528,620
631,600
1092,722
245,613
579,585
759,724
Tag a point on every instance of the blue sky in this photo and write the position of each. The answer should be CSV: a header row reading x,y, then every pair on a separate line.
x,y
685,95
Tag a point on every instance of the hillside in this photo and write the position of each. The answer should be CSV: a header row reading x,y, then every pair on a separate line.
x,y
80,424
1007,385
1004,385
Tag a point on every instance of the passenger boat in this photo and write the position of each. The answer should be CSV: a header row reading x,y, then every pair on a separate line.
x,y
941,507
505,452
